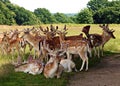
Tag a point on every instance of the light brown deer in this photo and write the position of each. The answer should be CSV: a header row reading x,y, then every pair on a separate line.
x,y
53,68
51,39
79,47
33,67
4,43
13,42
32,40
98,40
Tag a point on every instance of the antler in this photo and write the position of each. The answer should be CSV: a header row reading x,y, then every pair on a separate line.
x,y
105,27
65,28
112,30
53,29
46,30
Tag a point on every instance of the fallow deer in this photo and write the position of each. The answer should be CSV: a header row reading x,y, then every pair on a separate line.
x,y
4,44
33,41
68,65
52,67
51,39
98,40
32,68
13,43
79,47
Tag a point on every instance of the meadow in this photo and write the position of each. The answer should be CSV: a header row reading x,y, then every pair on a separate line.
x,y
10,78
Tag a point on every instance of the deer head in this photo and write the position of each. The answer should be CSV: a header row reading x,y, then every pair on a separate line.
x,y
50,33
107,30
63,33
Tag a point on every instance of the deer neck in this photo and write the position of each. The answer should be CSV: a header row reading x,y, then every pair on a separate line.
x,y
54,67
62,38
105,37
30,39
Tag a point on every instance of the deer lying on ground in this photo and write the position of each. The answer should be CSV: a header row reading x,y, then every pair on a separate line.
x,y
68,65
33,67
80,47
98,40
53,68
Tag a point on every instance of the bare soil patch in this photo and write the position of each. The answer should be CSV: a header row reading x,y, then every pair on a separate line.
x,y
107,73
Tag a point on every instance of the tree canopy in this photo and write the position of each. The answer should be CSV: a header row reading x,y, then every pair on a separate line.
x,y
97,11
85,16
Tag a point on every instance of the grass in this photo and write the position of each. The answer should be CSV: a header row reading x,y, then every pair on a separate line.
x,y
10,78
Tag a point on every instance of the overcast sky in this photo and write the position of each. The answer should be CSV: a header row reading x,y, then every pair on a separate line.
x,y
62,6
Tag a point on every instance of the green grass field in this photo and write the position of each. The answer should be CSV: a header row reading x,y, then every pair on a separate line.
x,y
10,78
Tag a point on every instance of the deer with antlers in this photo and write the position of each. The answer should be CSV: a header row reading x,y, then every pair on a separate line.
x,y
13,42
98,40
51,39
52,67
4,43
32,40
71,46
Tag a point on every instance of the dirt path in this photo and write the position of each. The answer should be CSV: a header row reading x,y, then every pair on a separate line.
x,y
107,73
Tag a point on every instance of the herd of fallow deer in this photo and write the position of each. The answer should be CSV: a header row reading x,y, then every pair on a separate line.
x,y
54,49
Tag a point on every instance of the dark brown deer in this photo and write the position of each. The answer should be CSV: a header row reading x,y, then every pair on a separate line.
x,y
99,40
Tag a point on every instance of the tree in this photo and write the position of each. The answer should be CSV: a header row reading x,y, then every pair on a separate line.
x,y
84,16
5,1
95,5
107,15
24,17
62,18
6,15
44,15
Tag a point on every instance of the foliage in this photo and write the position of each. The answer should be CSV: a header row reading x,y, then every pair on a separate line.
x,y
23,17
44,15
95,5
85,16
97,11
6,16
107,15
62,18
105,11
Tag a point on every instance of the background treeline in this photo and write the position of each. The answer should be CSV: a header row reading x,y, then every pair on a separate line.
x,y
97,11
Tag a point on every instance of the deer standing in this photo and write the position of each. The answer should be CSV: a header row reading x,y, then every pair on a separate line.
x,y
98,40
79,47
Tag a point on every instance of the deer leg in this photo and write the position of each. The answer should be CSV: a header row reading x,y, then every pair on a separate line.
x,y
75,69
34,53
86,64
94,51
102,51
69,56
83,63
98,52
69,68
